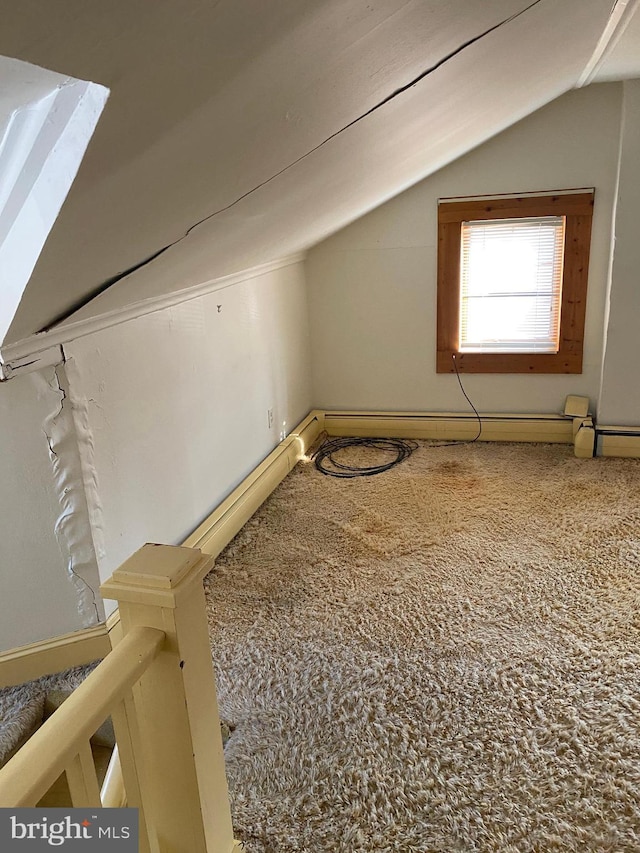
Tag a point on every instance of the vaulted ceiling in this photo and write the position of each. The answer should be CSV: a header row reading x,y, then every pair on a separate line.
x,y
241,130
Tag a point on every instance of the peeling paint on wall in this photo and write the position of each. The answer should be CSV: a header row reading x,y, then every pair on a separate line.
x,y
72,529
86,453
38,600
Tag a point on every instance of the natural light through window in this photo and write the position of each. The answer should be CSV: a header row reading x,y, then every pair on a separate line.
x,y
511,285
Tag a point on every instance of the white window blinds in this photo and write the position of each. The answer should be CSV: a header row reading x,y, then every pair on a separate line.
x,y
511,284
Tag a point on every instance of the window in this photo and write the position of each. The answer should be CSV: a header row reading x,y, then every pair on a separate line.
x,y
512,283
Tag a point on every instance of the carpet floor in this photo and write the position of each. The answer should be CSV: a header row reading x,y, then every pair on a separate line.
x,y
445,657
22,707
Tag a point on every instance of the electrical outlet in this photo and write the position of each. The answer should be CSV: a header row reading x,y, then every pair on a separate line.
x,y
270,418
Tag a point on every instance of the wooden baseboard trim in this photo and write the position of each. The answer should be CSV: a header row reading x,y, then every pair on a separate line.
x,y
54,655
448,426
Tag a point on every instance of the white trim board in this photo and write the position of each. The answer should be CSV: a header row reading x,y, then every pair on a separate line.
x,y
621,14
29,363
27,348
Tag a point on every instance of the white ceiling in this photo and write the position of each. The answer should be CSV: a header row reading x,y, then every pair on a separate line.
x,y
272,124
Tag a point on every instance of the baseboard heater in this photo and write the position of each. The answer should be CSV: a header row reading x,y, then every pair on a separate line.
x,y
618,441
450,426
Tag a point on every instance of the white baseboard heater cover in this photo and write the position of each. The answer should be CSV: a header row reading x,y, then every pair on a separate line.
x,y
451,426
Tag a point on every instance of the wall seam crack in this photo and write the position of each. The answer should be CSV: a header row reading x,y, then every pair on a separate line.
x,y
387,99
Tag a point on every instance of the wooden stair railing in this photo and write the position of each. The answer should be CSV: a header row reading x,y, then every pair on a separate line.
x,y
61,744
158,686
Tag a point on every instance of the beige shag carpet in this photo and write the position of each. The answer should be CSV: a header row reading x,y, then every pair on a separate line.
x,y
445,657
22,707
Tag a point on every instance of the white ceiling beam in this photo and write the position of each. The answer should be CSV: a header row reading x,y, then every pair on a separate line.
x,y
621,14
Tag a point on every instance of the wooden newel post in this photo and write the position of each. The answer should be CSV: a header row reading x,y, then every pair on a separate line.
x,y
183,784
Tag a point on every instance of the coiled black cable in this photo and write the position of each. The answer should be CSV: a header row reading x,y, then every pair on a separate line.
x,y
327,463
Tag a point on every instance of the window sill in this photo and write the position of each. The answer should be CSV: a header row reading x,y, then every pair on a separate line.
x,y
476,362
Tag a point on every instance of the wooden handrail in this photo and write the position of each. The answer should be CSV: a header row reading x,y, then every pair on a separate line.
x,y
158,687
171,722
32,771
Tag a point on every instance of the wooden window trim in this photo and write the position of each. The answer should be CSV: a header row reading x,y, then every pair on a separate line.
x,y
577,208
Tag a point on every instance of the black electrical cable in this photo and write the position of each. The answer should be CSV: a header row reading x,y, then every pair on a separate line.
x,y
475,411
466,396
327,463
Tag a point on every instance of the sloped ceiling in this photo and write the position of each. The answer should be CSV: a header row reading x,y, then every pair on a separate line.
x,y
241,130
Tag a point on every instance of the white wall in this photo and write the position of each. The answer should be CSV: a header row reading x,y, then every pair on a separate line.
x,y
171,408
45,590
372,286
619,400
